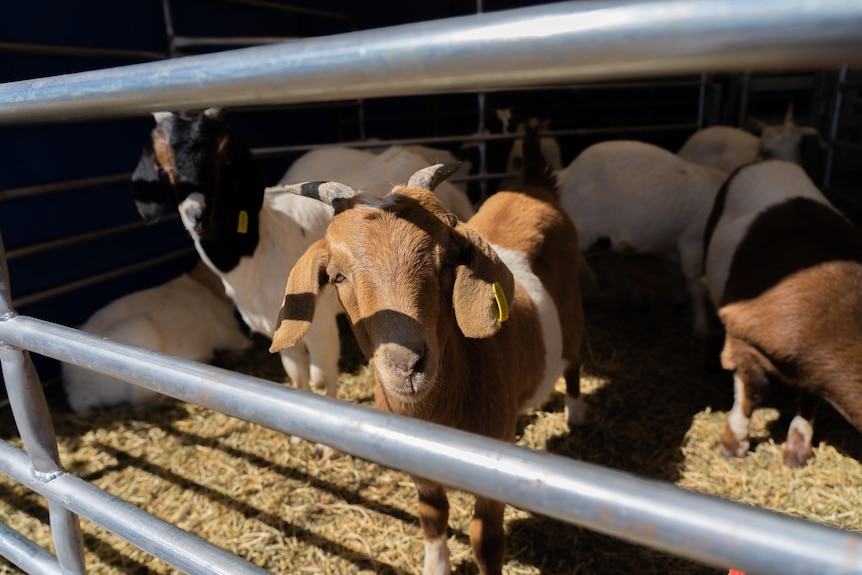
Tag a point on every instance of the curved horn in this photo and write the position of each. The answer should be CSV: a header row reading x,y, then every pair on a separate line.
x,y
430,177
326,192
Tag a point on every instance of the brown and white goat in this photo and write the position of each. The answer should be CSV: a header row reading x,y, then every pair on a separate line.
x,y
428,298
784,270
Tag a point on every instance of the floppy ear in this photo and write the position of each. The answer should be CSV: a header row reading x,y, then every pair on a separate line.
x,y
149,189
300,297
483,287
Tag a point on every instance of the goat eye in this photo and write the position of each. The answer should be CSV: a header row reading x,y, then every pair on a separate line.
x,y
338,278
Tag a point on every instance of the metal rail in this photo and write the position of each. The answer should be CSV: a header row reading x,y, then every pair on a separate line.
x,y
562,42
658,514
557,43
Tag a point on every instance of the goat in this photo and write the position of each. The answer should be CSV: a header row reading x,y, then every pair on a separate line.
x,y
246,235
725,148
783,268
428,299
189,317
550,150
632,196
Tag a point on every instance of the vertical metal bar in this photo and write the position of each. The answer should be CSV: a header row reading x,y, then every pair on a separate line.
x,y
743,104
833,128
187,553
701,101
482,146
169,29
30,410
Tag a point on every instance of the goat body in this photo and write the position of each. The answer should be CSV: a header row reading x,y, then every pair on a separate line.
x,y
186,317
726,148
636,197
419,289
783,268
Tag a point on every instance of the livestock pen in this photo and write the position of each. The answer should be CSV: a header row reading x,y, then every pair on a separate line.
x,y
564,42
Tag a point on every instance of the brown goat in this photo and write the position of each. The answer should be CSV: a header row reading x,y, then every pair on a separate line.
x,y
428,298
784,269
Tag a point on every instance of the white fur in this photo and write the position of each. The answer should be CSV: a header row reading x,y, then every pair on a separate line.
x,y
549,319
182,318
377,173
746,199
437,557
737,421
721,147
725,148
437,156
643,199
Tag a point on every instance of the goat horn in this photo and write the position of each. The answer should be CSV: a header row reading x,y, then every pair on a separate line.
x,y
326,192
430,177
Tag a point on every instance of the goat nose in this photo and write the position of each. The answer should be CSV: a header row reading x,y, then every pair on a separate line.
x,y
404,361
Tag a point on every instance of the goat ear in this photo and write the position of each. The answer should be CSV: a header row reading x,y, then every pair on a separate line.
x,y
300,297
483,287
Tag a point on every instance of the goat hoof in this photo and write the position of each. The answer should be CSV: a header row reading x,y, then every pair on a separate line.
x,y
796,452
731,447
576,411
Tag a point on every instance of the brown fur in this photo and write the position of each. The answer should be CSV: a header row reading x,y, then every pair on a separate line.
x,y
164,152
792,309
397,269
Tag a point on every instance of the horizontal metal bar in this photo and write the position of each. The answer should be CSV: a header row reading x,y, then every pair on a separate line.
x,y
562,42
657,514
185,551
25,554
84,238
188,41
12,193
290,8
92,280
79,51
275,151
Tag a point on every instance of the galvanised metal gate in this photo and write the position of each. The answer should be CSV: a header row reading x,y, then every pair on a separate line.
x,y
563,42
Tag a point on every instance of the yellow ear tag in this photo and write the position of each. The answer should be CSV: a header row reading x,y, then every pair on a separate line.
x,y
242,222
502,304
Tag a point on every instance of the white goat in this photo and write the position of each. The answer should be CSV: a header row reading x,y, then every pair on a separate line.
x,y
725,148
248,236
783,268
377,173
189,317
631,196
428,298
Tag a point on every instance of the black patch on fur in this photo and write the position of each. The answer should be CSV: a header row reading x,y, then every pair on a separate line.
x,y
209,160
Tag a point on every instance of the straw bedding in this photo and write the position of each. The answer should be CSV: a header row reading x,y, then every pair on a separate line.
x,y
654,412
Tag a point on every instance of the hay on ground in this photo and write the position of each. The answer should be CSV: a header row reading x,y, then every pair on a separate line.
x,y
653,412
